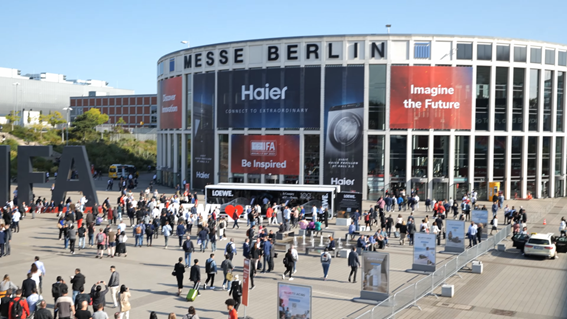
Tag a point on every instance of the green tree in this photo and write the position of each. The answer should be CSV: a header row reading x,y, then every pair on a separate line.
x,y
84,124
12,118
53,118
121,121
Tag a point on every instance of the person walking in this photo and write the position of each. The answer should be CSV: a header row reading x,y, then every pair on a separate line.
x,y
125,302
181,230
64,305
227,269
166,230
114,285
211,270
111,243
562,226
353,263
289,263
41,268
188,248
267,254
43,313
191,313
232,314
100,243
178,271
22,305
195,275
83,312
78,283
236,291
325,262
472,234
98,295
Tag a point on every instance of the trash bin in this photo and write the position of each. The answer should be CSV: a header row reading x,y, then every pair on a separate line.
x,y
561,244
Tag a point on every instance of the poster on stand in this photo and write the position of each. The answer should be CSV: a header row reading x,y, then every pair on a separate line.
x,y
480,216
455,236
424,257
245,280
375,276
294,301
203,139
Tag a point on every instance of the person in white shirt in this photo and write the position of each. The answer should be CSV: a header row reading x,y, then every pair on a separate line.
x,y
472,234
41,268
122,226
295,256
16,220
435,230
424,227
314,211
563,226
83,202
416,198
494,225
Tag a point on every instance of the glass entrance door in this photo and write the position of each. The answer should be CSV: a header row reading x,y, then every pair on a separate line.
x,y
440,191
559,187
420,188
254,178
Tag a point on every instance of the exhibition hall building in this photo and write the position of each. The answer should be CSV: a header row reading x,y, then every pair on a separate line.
x,y
438,115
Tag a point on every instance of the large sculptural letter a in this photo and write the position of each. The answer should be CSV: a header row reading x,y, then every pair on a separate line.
x,y
74,157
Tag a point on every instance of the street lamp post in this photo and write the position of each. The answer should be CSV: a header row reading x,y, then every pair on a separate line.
x,y
68,109
185,42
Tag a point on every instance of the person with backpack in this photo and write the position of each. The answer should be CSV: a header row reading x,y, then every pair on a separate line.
x,y
211,270
325,262
100,239
227,269
236,291
230,249
18,307
139,231
80,298
181,230
288,262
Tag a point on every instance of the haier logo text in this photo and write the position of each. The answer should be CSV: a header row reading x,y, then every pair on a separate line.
x,y
265,93
343,181
202,175
222,193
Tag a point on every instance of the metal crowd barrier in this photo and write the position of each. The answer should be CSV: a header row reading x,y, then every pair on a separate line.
x,y
408,296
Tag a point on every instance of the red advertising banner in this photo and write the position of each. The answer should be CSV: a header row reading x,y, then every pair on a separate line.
x,y
431,97
170,111
245,280
265,154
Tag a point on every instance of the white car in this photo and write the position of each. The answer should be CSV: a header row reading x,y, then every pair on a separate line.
x,y
541,245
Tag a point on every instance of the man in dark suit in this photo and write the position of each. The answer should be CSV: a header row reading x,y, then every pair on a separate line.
x,y
78,282
41,312
195,275
353,263
27,286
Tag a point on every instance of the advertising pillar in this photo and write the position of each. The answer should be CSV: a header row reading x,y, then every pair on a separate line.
x,y
245,280
294,301
375,276
203,139
344,113
424,254
455,242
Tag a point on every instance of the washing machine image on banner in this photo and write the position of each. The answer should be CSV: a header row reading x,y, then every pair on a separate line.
x,y
344,122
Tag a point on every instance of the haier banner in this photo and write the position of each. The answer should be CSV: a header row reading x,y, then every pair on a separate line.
x,y
203,164
431,97
344,113
265,154
170,103
269,98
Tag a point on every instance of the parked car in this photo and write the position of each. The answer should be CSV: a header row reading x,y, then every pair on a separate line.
x,y
541,245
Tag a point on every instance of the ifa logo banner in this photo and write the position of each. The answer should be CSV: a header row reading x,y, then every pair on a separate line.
x,y
265,154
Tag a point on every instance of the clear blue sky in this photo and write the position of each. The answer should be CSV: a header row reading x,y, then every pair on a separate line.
x,y
120,41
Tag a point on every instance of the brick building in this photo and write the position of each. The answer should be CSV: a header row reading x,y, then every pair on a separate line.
x,y
134,109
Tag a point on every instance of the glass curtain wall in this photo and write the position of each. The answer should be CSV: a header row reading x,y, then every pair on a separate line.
x,y
532,164
516,169
482,97
461,172
501,98
545,166
398,157
189,100
223,158
559,180
419,156
377,97
560,98
311,170
534,100
518,100
499,163
547,97
440,156
481,166
375,166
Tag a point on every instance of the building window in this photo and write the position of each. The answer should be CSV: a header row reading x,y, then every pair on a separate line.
x,y
171,64
311,148
560,101
550,57
535,55
482,97
398,156
223,158
441,156
189,100
462,156
499,162
375,166
558,155
532,156
160,69
562,58
520,54
503,53
518,100
516,165
501,92
421,50
188,160
534,99
377,97
481,165
547,95
484,52
464,51
419,156
546,156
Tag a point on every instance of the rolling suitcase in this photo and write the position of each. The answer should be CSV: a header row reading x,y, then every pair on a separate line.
x,y
192,294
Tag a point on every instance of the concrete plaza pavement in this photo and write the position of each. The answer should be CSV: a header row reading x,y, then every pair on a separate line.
x,y
147,271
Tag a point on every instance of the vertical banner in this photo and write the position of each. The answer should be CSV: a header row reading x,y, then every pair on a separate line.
x,y
245,279
455,240
170,112
424,252
344,113
203,139
294,301
375,276
347,203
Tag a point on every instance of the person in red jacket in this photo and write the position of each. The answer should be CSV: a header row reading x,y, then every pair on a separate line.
x,y
232,314
23,304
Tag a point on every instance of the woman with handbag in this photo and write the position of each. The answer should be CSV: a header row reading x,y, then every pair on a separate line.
x,y
178,271
124,302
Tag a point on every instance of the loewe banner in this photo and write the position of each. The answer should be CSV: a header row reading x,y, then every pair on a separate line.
x,y
431,97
